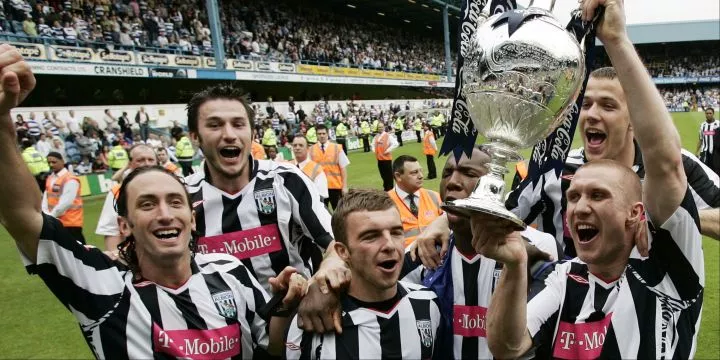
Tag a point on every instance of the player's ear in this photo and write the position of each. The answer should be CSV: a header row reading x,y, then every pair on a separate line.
x,y
125,226
192,221
342,251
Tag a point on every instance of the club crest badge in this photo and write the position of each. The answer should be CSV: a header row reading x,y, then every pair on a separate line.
x,y
265,200
425,331
225,304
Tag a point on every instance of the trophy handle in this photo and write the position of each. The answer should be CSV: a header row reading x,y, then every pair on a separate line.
x,y
552,5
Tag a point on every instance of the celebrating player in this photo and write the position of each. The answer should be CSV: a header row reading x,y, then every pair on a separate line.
x,y
617,299
168,301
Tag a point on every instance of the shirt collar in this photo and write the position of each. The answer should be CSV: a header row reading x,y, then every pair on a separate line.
x,y
304,162
60,173
403,194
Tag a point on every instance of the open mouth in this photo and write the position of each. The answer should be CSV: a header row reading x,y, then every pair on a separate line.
x,y
586,233
595,137
166,234
230,152
388,264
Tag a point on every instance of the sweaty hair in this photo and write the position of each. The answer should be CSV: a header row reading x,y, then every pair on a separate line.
x,y
398,166
607,72
127,246
224,92
629,181
354,201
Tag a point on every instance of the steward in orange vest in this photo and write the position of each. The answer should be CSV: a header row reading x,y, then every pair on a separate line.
x,y
333,160
429,149
70,215
257,151
428,209
382,146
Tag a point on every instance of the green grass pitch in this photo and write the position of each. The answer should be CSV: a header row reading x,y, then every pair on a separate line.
x,y
37,326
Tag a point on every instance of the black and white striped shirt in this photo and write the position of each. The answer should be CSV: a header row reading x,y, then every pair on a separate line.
x,y
405,327
475,279
652,311
707,131
544,203
213,315
267,224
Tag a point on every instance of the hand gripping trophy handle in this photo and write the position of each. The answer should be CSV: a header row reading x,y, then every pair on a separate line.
x,y
522,71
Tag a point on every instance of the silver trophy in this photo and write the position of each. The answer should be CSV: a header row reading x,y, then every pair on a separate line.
x,y
522,72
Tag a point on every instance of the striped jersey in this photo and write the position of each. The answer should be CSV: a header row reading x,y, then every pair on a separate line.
x,y
652,311
267,225
405,326
707,131
475,279
213,315
544,202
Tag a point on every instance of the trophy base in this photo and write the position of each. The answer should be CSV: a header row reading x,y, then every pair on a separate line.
x,y
472,205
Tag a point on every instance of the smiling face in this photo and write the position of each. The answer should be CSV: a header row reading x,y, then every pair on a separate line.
x,y
225,137
374,251
159,217
601,203
605,120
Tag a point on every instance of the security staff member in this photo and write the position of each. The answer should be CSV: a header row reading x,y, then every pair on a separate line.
x,y
430,149
383,145
334,161
257,151
341,133
376,126
311,135
184,151
365,134
399,127
417,126
36,162
117,158
269,137
418,207
62,199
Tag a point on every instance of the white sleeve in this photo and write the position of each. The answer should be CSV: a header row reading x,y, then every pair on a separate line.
x,y
321,185
343,160
107,223
433,143
543,241
66,198
44,203
393,144
547,302
372,143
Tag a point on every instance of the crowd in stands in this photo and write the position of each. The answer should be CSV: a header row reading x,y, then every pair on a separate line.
x,y
686,66
275,31
691,98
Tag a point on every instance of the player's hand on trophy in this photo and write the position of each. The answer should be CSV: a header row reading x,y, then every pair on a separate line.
x,y
320,312
611,28
496,239
16,77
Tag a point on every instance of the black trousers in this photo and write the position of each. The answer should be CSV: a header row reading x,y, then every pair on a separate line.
x,y
342,141
385,168
399,137
333,199
186,167
436,131
417,132
40,179
366,143
76,233
432,172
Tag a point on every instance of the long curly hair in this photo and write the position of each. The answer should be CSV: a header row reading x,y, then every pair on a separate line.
x,y
127,247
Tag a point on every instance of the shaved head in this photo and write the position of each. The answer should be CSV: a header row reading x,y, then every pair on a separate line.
x,y
624,177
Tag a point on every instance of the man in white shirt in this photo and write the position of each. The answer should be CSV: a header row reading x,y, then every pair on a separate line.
x,y
73,123
61,198
310,168
43,146
111,123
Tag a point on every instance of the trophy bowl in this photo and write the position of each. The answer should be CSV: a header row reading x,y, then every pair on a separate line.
x,y
522,71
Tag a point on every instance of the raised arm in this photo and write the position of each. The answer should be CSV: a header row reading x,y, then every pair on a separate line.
x,y
20,198
653,127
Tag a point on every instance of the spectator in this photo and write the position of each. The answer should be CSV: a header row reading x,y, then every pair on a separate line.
x,y
43,146
73,123
29,27
143,120
84,167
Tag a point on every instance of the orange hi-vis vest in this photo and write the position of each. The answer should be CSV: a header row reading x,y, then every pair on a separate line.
x,y
115,189
169,166
311,168
428,210
522,169
73,216
257,151
382,142
330,162
428,149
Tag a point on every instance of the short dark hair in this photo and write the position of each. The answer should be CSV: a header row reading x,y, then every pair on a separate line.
x,y
56,155
354,201
222,91
319,127
711,109
159,149
127,246
399,163
607,72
